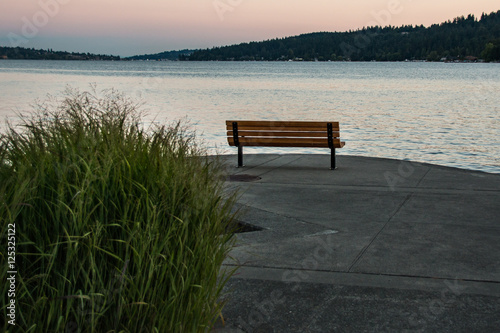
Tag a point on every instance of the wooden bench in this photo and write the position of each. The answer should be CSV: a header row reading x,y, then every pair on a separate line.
x,y
311,134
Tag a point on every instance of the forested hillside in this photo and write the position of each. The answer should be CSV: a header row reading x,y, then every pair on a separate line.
x,y
464,38
167,55
49,54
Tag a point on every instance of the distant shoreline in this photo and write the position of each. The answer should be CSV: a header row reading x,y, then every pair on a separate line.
x,y
480,61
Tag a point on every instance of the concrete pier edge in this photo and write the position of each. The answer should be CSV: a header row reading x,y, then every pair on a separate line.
x,y
375,245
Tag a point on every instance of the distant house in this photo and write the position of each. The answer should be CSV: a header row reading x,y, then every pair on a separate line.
x,y
3,57
471,59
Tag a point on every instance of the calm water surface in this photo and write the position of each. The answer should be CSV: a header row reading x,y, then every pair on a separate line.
x,y
446,114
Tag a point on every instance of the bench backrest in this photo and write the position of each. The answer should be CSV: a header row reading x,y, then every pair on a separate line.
x,y
317,134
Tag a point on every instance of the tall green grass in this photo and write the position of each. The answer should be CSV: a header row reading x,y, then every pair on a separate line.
x,y
119,228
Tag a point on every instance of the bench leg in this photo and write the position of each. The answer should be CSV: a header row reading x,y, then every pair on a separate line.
x,y
240,156
332,162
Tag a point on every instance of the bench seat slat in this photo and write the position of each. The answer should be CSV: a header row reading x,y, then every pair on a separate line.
x,y
271,123
286,142
310,134
281,128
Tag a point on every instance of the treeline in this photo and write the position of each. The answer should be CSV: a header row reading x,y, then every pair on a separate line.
x,y
167,55
49,54
464,38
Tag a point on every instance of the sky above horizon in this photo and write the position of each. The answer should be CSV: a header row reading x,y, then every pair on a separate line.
x,y
132,27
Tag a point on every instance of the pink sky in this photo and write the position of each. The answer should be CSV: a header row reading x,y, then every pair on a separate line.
x,y
129,27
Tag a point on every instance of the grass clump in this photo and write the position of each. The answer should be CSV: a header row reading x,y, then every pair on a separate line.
x,y
118,228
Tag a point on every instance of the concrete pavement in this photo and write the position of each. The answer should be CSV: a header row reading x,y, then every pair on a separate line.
x,y
376,245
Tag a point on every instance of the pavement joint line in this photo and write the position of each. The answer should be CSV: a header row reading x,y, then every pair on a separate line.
x,y
382,188
444,224
246,168
434,278
363,251
426,173
346,273
263,163
280,166
278,214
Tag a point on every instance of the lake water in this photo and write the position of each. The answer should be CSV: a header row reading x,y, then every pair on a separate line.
x,y
441,113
